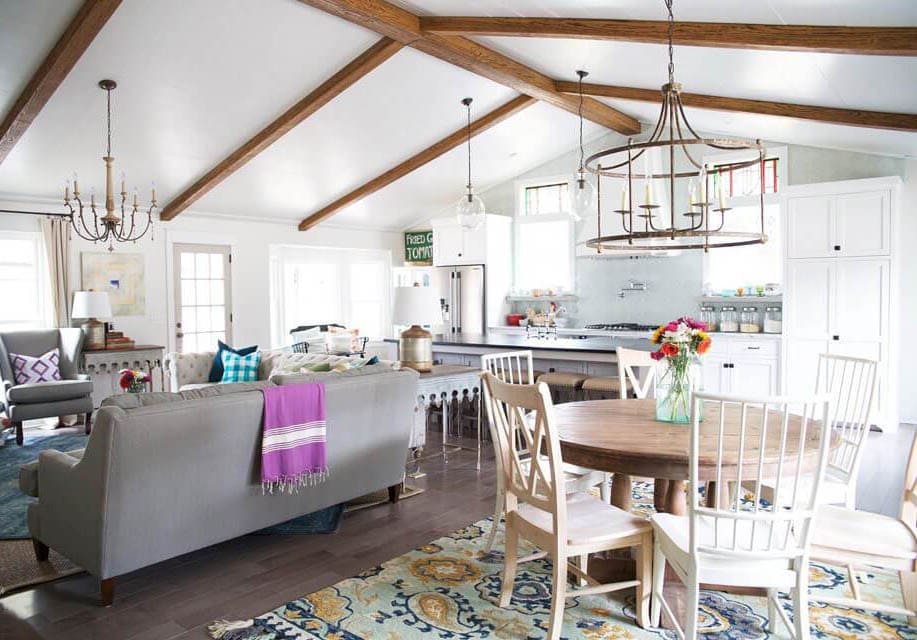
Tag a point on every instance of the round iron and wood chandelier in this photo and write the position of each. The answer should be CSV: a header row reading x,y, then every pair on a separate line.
x,y
704,222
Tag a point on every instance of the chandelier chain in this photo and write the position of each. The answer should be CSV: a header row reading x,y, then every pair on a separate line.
x,y
668,6
108,114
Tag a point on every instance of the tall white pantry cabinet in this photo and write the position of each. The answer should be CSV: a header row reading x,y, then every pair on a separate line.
x,y
841,288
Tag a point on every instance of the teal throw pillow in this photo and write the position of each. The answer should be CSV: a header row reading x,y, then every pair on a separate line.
x,y
238,368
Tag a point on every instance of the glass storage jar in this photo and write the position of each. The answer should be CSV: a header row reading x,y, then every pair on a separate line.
x,y
729,321
748,321
708,316
773,320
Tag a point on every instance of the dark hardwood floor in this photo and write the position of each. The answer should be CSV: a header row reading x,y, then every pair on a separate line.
x,y
253,574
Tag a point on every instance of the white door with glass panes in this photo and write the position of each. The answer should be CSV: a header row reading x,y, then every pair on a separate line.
x,y
203,310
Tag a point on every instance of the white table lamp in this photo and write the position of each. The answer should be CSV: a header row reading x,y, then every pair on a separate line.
x,y
416,306
90,306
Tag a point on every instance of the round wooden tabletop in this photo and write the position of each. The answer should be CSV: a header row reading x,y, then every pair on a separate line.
x,y
623,436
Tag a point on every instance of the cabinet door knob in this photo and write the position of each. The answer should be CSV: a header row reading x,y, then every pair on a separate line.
x,y
837,247
835,337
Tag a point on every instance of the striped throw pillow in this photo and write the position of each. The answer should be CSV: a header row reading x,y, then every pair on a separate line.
x,y
238,368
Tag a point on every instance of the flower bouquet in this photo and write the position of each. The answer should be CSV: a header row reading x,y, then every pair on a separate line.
x,y
681,343
134,381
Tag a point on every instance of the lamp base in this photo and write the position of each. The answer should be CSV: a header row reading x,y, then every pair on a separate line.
x,y
95,334
416,349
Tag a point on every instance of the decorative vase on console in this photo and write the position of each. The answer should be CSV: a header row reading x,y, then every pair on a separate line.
x,y
681,343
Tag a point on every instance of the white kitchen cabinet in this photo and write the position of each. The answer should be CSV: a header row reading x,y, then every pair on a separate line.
x,y
840,283
841,224
741,364
455,245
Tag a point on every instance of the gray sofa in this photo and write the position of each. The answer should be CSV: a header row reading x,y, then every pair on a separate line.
x,y
72,394
167,473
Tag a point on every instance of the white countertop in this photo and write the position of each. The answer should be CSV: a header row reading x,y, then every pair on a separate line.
x,y
573,331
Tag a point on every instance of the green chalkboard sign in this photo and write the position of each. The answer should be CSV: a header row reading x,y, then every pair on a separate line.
x,y
418,247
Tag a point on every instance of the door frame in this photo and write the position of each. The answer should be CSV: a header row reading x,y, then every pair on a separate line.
x,y
173,247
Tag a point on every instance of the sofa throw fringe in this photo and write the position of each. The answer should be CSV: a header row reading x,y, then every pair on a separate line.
x,y
293,441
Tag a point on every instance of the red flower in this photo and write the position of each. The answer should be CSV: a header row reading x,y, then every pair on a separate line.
x,y
669,349
126,379
703,345
657,355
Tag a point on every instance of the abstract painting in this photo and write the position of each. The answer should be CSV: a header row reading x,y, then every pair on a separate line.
x,y
121,275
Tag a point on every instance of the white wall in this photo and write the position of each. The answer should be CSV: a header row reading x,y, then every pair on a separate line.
x,y
250,240
907,325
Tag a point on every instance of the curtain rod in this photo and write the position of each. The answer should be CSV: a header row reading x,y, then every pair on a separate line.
x,y
36,213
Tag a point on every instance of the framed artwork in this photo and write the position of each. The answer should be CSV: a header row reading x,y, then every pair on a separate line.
x,y
121,275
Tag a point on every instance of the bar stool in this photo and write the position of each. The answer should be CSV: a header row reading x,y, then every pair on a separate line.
x,y
603,388
564,385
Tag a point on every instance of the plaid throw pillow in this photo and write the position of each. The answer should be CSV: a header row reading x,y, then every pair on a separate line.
x,y
237,368
44,368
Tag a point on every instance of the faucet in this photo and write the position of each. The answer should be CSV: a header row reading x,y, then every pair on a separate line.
x,y
632,285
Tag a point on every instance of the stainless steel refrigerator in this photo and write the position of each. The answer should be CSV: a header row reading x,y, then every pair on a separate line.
x,y
461,294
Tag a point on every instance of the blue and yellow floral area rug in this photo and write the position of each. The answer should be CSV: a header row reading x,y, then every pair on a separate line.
x,y
449,589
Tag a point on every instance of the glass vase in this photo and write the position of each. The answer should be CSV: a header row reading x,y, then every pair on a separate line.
x,y
674,389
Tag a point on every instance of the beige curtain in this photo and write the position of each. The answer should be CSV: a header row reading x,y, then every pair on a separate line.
x,y
56,233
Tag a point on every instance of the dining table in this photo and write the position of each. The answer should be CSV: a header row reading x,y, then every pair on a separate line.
x,y
624,438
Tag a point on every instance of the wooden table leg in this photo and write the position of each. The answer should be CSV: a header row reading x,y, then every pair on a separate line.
x,y
711,493
621,491
675,501
660,491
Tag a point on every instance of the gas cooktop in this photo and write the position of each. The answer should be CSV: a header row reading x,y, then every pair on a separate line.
x,y
622,326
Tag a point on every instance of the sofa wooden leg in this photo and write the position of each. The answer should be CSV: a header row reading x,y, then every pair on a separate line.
x,y
41,550
20,438
107,591
88,421
394,492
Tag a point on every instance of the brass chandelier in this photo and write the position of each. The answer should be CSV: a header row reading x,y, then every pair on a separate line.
x,y
111,227
703,222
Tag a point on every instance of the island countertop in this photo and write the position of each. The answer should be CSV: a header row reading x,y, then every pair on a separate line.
x,y
585,345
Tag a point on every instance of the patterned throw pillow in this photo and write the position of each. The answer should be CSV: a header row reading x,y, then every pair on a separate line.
x,y
216,369
44,368
238,368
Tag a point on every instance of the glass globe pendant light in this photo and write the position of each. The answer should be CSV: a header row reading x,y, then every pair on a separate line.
x,y
583,197
470,209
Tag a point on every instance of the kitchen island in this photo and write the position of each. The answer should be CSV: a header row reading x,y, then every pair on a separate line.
x,y
590,355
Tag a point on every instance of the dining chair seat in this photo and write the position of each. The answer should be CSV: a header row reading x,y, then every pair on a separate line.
x,y
865,534
562,379
671,533
834,490
589,520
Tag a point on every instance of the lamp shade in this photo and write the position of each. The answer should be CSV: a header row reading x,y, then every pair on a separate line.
x,y
415,305
91,304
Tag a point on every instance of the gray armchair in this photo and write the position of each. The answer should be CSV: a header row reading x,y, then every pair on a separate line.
x,y
72,394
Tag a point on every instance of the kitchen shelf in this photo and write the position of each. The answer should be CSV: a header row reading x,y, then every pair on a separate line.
x,y
562,296
741,299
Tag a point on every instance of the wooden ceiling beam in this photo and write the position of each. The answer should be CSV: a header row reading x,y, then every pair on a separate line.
x,y
851,117
879,41
322,95
79,34
416,161
404,26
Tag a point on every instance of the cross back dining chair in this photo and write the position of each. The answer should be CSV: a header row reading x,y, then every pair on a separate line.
x,y
515,367
636,371
539,509
847,536
747,543
851,383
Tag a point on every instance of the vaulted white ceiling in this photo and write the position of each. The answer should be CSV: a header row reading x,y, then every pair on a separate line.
x,y
199,77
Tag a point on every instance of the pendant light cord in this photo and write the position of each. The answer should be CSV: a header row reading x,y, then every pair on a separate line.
x,y
668,6
468,108
582,153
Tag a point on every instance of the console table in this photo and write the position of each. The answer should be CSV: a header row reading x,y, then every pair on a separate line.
x,y
441,388
143,357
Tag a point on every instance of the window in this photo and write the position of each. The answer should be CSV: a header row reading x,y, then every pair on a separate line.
x,y
546,199
544,235
747,180
757,264
311,285
23,281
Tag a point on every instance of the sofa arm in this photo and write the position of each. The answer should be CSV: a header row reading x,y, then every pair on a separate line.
x,y
188,368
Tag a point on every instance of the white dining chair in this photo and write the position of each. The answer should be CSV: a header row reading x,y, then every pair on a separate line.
x,y
637,371
746,543
515,367
846,536
538,508
851,382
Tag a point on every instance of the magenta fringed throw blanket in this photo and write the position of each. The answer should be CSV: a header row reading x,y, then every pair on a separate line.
x,y
293,441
